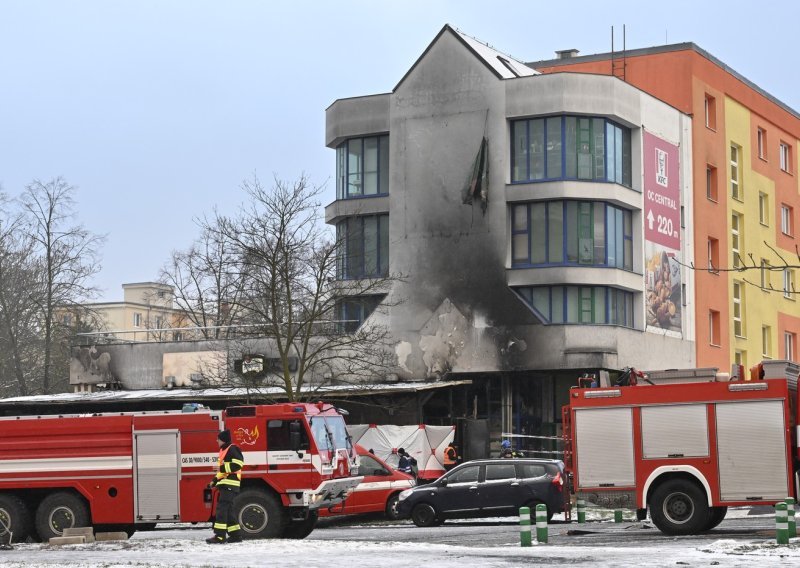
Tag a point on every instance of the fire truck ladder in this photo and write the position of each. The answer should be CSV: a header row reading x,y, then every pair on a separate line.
x,y
566,432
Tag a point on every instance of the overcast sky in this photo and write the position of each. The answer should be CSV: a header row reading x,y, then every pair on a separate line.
x,y
156,110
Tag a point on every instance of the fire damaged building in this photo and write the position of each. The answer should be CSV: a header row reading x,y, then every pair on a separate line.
x,y
535,223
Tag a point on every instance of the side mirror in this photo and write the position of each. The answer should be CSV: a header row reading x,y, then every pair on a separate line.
x,y
443,482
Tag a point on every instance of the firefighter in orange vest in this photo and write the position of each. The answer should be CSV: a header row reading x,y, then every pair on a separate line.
x,y
227,481
450,457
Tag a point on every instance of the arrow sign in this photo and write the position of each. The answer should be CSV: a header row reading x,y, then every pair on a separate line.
x,y
650,219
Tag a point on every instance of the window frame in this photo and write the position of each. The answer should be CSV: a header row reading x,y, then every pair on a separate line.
x,y
763,208
617,304
712,190
785,153
714,329
737,313
343,173
788,284
761,142
137,319
766,342
713,255
620,154
344,242
789,343
787,226
710,108
736,239
737,191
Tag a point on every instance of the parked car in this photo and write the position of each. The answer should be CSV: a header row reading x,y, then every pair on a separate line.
x,y
378,492
482,488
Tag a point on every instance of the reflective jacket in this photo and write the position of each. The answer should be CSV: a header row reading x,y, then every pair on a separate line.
x,y
450,456
231,463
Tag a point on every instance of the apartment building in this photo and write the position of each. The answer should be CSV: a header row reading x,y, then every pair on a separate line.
x,y
541,224
745,199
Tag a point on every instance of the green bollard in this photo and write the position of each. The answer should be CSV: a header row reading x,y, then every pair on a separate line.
x,y
581,511
781,524
541,523
790,510
617,516
524,526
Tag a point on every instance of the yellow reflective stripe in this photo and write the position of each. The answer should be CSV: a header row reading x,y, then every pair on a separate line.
x,y
233,528
220,526
229,481
220,475
240,463
227,467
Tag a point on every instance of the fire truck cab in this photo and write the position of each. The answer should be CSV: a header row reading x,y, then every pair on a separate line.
x,y
130,470
685,444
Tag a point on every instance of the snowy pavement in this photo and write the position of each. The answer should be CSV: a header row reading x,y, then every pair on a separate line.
x,y
331,548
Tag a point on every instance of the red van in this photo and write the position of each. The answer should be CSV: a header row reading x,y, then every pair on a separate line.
x,y
377,493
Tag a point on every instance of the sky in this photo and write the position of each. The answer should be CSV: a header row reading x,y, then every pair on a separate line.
x,y
156,110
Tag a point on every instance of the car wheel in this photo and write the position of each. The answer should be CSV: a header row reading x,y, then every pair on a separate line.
x,y
14,517
679,506
424,515
259,514
716,517
59,511
391,507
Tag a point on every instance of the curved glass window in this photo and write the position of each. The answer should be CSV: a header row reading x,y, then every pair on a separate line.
x,y
570,147
363,247
362,167
580,304
580,233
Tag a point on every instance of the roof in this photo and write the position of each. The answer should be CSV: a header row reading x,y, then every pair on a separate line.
x,y
220,394
686,46
502,65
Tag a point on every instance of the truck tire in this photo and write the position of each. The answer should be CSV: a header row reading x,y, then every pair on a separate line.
x,y
679,506
59,511
391,507
716,517
301,529
425,515
259,514
15,518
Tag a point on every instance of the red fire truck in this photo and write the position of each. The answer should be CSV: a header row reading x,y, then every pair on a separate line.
x,y
130,470
685,444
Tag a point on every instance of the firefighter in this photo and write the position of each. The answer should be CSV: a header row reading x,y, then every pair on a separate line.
x,y
227,482
450,457
406,463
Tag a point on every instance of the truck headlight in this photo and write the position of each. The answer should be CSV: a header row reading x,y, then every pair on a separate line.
x,y
404,494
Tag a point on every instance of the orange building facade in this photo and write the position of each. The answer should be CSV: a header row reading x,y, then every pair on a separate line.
x,y
745,197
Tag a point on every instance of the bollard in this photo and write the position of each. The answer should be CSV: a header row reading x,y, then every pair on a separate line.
x,y
524,526
541,523
581,511
790,514
781,524
617,516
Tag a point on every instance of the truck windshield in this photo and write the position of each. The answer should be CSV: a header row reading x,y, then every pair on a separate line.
x,y
329,432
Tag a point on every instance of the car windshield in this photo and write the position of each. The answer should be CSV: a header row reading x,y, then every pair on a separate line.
x,y
329,432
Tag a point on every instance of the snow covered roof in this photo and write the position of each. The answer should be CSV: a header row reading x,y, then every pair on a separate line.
x,y
219,393
503,65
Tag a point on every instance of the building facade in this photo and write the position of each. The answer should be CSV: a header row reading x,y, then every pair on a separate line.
x,y
746,198
537,224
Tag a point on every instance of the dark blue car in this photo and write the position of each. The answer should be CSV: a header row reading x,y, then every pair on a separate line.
x,y
486,488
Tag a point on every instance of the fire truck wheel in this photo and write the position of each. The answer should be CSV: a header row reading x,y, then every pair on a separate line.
x,y
679,506
716,517
14,517
424,515
391,507
59,511
260,514
301,529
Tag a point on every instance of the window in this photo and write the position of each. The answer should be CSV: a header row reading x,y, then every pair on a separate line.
x,y
761,142
713,327
278,438
713,255
159,322
352,312
789,345
786,157
362,167
570,147
740,357
736,239
580,304
591,233
66,319
737,192
370,466
766,284
532,470
763,208
786,220
467,474
738,321
766,342
499,471
788,283
711,112
137,319
363,247
711,182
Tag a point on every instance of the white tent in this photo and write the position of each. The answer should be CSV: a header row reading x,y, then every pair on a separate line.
x,y
424,443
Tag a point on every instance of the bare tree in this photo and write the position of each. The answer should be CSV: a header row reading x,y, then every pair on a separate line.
x,y
68,256
292,295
